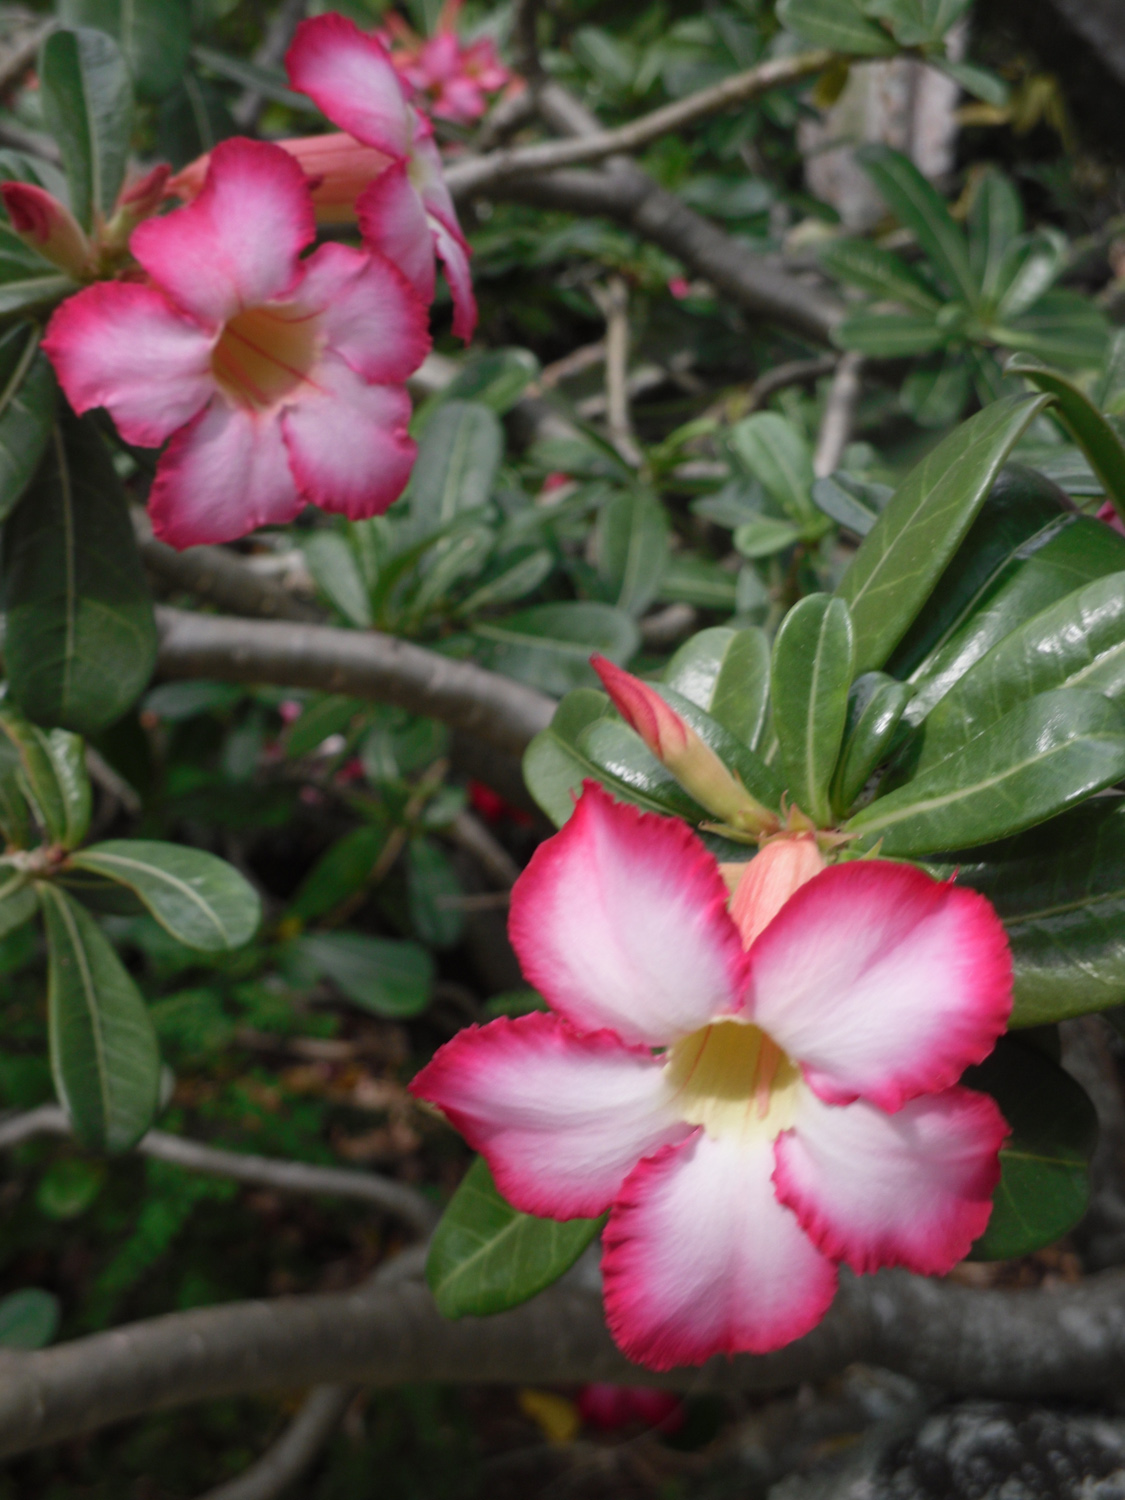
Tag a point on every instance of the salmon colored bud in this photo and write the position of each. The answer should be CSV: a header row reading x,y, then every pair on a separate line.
x,y
767,881
338,167
144,195
188,183
48,226
692,762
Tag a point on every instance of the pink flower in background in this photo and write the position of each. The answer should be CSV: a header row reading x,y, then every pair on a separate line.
x,y
450,80
679,287
755,1094
404,210
610,1407
278,381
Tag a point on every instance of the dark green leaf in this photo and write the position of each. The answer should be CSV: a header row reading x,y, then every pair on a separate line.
x,y
269,82
27,409
813,662
725,672
995,221
81,637
68,1187
513,583
1044,756
691,579
553,765
919,208
875,706
764,536
320,719
17,902
850,501
52,775
458,459
549,646
496,379
192,120
909,547
772,450
880,272
88,107
340,872
155,36
104,1057
388,977
935,395
618,758
1085,423
632,547
839,24
434,894
29,1319
200,899
486,1257
981,83
885,335
1064,327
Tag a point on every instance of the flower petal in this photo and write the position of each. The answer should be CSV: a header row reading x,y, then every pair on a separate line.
x,y
369,313
910,1189
394,224
620,920
562,1118
220,477
348,74
237,244
453,252
349,444
125,347
882,982
701,1259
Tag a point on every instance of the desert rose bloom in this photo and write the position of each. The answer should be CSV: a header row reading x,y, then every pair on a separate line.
x,y
450,79
278,380
756,1094
404,209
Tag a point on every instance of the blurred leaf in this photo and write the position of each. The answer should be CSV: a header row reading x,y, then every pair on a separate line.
x,y
513,583
549,646
772,450
632,548
433,890
875,706
691,579
27,409
269,82
920,208
387,976
200,899
995,222
880,272
68,1187
726,673
1085,423
458,459
764,536
333,565
811,672
485,1257
318,720
885,335
29,1319
935,395
17,903
88,107
839,24
192,120
1064,327
496,379
155,36
81,637
104,1056
341,871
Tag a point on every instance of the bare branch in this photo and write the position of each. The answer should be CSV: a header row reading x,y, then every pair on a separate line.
x,y
839,415
613,300
484,173
283,1464
360,664
792,372
215,574
470,834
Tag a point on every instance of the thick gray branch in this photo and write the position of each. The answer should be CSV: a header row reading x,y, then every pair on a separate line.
x,y
360,664
214,573
1068,1341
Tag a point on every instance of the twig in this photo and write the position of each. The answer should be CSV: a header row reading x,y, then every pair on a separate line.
x,y
667,626
217,575
34,142
576,363
482,174
262,1171
293,1453
525,37
359,664
839,415
470,834
613,300
269,54
792,372
510,113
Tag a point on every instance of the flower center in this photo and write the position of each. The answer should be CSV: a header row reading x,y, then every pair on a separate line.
x,y
734,1080
264,353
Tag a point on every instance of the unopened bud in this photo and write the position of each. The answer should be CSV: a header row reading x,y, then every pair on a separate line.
x,y
691,761
767,881
48,226
338,168
137,201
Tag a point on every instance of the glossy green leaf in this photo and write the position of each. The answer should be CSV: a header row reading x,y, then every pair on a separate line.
x,y
333,565
486,1257
875,705
155,36
880,272
549,645
458,459
27,409
1078,642
725,672
1044,756
197,897
884,335
920,208
387,976
29,1319
839,24
623,763
553,765
341,871
773,451
1085,423
434,894
1044,1164
81,637
52,775
632,547
909,547
813,663
104,1057
88,106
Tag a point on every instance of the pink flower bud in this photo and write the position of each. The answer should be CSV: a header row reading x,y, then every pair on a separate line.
x,y
609,1407
48,226
692,762
766,883
337,166
1111,516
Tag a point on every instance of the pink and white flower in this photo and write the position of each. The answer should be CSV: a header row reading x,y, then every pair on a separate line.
x,y
405,210
755,1093
279,381
449,79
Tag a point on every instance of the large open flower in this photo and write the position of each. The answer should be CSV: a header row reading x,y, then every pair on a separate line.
x,y
405,210
278,380
756,1094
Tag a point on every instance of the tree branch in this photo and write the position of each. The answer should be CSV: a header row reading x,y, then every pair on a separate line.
x,y
1068,1341
839,414
283,1464
360,664
484,173
214,573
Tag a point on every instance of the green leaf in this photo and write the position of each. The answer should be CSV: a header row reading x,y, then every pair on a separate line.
x,y
458,460
549,646
1044,1164
496,379
342,870
433,894
1044,756
200,899
52,775
1064,327
689,578
935,395
917,23
884,335
919,207
27,409
88,107
773,451
726,673
759,779
1085,423
192,120
17,903
995,221
851,501
765,536
333,565
320,719
908,548
155,36
485,1257
29,1319
386,976
269,82
553,766
875,706
618,758
1077,642
981,83
104,1057
880,272
514,583
1030,268
81,637
69,1187
632,548
839,24
813,662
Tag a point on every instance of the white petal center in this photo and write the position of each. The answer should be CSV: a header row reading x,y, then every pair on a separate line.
x,y
735,1081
